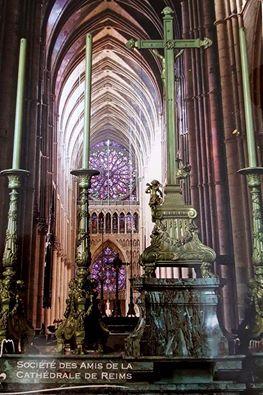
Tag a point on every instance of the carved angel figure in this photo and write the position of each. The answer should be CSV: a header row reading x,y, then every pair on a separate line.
x,y
156,198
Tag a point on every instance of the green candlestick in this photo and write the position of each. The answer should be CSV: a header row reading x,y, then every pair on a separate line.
x,y
13,324
19,104
254,321
88,73
251,145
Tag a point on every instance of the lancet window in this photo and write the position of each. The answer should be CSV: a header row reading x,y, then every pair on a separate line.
x,y
103,271
108,223
114,223
129,223
94,223
135,222
122,222
101,223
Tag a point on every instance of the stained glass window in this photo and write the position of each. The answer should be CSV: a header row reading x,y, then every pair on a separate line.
x,y
136,222
129,222
102,269
101,223
122,222
108,223
94,223
117,172
115,223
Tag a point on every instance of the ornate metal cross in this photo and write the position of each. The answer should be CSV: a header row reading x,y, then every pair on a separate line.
x,y
169,45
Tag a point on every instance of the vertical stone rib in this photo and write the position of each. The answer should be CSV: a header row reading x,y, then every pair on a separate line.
x,y
54,285
223,237
190,106
195,131
206,138
197,105
41,263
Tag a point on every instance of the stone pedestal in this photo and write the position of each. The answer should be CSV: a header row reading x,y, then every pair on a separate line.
x,y
178,318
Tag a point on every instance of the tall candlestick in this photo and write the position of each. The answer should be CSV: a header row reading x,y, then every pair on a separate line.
x,y
254,319
19,104
251,145
82,306
11,303
88,72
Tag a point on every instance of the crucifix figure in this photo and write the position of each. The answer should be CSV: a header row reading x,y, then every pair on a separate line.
x,y
169,45
174,238
174,243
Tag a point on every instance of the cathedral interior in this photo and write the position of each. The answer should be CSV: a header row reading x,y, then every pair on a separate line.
x,y
128,143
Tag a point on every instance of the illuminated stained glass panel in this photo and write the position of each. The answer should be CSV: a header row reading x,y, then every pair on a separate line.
x,y
117,172
102,269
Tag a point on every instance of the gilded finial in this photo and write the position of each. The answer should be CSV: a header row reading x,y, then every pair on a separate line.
x,y
131,43
206,42
167,11
183,171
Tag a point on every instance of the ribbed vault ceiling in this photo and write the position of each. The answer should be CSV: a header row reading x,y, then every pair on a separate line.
x,y
126,85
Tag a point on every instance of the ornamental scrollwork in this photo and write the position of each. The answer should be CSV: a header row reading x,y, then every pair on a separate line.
x,y
186,247
183,171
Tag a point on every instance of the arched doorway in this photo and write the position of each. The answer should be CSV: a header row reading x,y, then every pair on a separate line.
x,y
103,271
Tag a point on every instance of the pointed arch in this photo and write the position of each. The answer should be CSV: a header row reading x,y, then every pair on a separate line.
x,y
114,246
115,223
108,223
94,223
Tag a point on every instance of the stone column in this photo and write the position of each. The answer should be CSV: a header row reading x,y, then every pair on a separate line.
x,y
229,66
41,262
62,287
58,284
213,179
54,283
219,171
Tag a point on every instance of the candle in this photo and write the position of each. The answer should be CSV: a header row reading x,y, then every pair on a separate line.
x,y
251,145
19,104
87,105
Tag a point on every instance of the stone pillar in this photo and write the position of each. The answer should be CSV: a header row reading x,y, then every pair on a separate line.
x,y
222,224
229,66
47,317
58,285
35,289
41,263
62,288
213,178
54,284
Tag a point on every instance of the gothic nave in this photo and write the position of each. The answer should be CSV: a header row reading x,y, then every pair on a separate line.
x,y
128,142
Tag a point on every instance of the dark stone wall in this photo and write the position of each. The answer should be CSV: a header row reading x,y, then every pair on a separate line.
x,y
23,19
217,139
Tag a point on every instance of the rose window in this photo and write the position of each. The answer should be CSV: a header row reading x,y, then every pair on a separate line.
x,y
117,172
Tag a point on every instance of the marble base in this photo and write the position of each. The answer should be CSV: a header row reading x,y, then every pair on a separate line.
x,y
178,318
